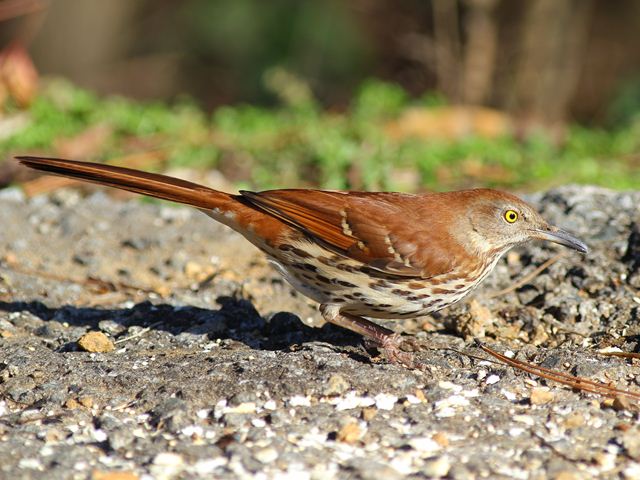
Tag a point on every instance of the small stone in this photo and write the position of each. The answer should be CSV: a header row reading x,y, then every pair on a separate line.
x,y
352,400
72,404
243,408
605,460
11,259
574,421
121,475
167,465
120,438
207,467
632,472
480,318
513,258
54,435
266,455
96,342
86,401
425,445
369,469
30,464
111,327
607,403
420,396
621,403
441,439
411,400
385,401
368,413
526,419
622,427
350,433
540,396
100,435
631,443
437,467
270,405
300,401
336,385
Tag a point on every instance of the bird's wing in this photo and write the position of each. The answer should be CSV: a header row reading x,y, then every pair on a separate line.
x,y
385,231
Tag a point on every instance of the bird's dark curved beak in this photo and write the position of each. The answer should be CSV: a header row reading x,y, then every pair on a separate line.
x,y
556,235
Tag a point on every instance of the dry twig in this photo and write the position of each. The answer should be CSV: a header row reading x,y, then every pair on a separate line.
x,y
138,334
572,381
621,354
528,277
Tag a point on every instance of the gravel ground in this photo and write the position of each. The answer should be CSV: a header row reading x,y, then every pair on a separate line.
x,y
205,365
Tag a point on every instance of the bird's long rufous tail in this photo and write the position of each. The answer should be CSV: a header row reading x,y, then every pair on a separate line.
x,y
152,184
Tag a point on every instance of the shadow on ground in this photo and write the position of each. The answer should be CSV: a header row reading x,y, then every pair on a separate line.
x,y
236,320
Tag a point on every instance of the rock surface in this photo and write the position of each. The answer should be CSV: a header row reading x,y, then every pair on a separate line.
x,y
215,373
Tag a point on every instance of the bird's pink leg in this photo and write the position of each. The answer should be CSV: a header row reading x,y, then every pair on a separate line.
x,y
386,340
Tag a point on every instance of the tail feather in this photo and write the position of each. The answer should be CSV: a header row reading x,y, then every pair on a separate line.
x,y
152,184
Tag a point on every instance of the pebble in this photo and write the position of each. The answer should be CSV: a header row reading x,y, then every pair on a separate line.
x,y
300,401
631,472
540,396
96,342
441,439
526,419
385,401
574,420
353,400
438,467
480,319
350,433
336,385
631,442
120,438
243,408
369,413
425,445
86,401
112,327
167,465
266,455
209,466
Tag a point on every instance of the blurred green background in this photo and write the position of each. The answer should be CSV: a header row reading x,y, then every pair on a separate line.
x,y
364,94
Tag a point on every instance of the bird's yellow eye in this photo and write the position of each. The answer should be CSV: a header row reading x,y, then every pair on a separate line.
x,y
511,216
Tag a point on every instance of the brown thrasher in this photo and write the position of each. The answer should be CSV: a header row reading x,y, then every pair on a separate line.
x,y
358,254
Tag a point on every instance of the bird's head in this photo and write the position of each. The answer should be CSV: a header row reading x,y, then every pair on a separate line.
x,y
500,221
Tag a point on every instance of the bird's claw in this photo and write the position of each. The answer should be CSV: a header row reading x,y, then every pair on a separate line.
x,y
401,350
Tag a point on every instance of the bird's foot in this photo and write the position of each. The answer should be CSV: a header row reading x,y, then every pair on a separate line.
x,y
400,350
396,348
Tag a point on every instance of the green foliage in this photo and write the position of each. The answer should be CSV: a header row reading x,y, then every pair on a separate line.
x,y
301,145
63,111
379,99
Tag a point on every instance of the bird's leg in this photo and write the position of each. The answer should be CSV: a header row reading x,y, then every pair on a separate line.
x,y
386,340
